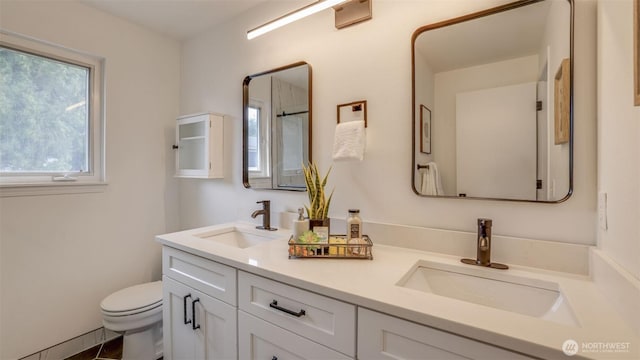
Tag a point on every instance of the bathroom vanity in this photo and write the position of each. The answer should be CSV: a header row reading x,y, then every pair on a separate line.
x,y
230,291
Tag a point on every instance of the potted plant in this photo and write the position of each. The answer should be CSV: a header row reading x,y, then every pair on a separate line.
x,y
318,208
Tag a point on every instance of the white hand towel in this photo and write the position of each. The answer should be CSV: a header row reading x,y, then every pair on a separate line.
x,y
431,184
435,178
424,182
349,141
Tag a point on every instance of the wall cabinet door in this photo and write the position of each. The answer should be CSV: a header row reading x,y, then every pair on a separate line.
x,y
382,336
196,326
260,340
199,146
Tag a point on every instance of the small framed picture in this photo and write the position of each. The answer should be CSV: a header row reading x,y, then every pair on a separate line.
x,y
425,130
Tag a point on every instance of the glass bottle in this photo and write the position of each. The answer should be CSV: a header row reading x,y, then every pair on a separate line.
x,y
354,224
354,231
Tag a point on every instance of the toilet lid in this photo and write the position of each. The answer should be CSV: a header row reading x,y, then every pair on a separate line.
x,y
136,297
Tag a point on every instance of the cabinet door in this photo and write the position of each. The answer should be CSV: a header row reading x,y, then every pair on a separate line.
x,y
261,340
199,140
216,328
382,336
178,337
192,137
196,326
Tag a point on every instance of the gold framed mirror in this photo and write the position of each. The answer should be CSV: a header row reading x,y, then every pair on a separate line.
x,y
276,127
491,81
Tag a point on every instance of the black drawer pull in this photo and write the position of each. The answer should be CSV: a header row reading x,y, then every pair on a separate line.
x,y
274,304
194,326
184,303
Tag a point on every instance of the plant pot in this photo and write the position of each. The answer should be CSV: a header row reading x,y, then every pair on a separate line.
x,y
320,226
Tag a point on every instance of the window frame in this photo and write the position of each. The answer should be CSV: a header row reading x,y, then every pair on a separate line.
x,y
64,182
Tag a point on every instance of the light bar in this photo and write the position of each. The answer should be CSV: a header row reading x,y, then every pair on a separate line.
x,y
293,16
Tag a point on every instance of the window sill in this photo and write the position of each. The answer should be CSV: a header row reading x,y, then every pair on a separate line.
x,y
35,189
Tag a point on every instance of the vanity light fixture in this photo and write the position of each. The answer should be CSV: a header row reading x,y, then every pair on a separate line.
x,y
348,12
293,16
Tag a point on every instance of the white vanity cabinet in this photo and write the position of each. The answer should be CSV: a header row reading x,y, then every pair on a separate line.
x,y
199,307
199,146
216,311
381,336
317,327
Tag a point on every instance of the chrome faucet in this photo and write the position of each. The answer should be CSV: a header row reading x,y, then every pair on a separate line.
x,y
483,249
266,215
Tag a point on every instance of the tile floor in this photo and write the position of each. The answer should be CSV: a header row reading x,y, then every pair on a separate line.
x,y
110,350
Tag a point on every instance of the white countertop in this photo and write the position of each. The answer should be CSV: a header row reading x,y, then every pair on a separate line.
x,y
372,284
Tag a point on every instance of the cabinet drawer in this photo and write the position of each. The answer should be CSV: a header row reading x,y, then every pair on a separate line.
x,y
258,339
210,277
381,336
325,320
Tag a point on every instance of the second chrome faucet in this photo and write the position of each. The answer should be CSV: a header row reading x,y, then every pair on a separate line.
x,y
483,248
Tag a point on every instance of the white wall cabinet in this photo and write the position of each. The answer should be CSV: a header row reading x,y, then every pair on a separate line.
x,y
381,336
200,146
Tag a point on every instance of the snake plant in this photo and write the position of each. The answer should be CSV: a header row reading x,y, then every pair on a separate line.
x,y
318,202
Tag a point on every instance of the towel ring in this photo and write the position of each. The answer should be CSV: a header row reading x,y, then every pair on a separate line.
x,y
356,107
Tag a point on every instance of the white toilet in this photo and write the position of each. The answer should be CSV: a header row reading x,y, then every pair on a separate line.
x,y
136,312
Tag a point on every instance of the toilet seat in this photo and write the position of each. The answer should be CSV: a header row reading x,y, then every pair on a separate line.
x,y
133,300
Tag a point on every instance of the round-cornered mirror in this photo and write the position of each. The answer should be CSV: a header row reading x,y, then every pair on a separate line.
x,y
492,104
276,128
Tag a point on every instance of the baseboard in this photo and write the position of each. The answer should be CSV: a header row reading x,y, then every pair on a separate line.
x,y
75,345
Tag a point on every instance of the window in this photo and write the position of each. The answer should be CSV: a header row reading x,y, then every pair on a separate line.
x,y
257,140
254,139
51,123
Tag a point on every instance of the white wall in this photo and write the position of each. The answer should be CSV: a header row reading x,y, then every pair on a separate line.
x,y
60,255
618,135
369,61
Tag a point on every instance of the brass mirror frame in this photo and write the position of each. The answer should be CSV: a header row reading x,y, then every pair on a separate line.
x,y
468,17
245,120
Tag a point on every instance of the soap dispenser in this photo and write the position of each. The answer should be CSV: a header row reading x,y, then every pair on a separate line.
x,y
300,225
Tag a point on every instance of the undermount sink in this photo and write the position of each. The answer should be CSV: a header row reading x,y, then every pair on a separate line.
x,y
494,288
239,237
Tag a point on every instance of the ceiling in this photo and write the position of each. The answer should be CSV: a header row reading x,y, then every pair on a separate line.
x,y
180,19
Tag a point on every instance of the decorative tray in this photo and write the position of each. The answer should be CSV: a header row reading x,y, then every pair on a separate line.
x,y
337,248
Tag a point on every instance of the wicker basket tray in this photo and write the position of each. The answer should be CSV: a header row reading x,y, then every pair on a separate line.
x,y
298,250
